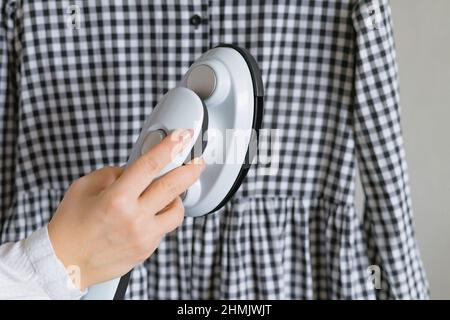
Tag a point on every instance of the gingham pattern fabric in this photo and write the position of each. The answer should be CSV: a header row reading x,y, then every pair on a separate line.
x,y
76,88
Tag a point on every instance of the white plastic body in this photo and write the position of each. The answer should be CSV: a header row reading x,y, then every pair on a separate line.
x,y
230,107
179,108
231,110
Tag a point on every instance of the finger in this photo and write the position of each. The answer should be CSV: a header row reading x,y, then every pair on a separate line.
x,y
163,190
137,177
100,179
171,217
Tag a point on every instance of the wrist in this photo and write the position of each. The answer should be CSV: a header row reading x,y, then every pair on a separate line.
x,y
69,256
51,273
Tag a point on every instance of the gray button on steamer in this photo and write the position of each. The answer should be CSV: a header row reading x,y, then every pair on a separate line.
x,y
202,80
152,139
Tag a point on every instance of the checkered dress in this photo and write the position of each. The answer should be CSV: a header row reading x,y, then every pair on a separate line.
x,y
78,78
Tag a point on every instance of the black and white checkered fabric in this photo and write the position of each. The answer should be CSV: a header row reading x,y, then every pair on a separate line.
x,y
78,78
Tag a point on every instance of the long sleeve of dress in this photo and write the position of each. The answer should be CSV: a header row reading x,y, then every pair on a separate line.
x,y
8,109
29,268
381,156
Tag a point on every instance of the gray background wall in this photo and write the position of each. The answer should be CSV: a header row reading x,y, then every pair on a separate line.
x,y
422,32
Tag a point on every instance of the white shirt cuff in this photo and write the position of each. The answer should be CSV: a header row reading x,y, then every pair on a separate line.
x,y
50,271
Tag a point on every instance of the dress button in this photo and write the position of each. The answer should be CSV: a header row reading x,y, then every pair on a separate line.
x,y
196,20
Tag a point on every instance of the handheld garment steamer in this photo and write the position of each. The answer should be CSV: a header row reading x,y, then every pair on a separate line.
x,y
221,93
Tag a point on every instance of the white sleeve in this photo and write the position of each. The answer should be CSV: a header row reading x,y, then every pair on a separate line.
x,y
30,269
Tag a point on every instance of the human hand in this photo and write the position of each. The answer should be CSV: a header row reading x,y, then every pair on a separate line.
x,y
113,219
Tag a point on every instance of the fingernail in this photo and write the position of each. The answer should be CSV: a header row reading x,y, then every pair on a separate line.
x,y
203,165
199,162
183,136
186,134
